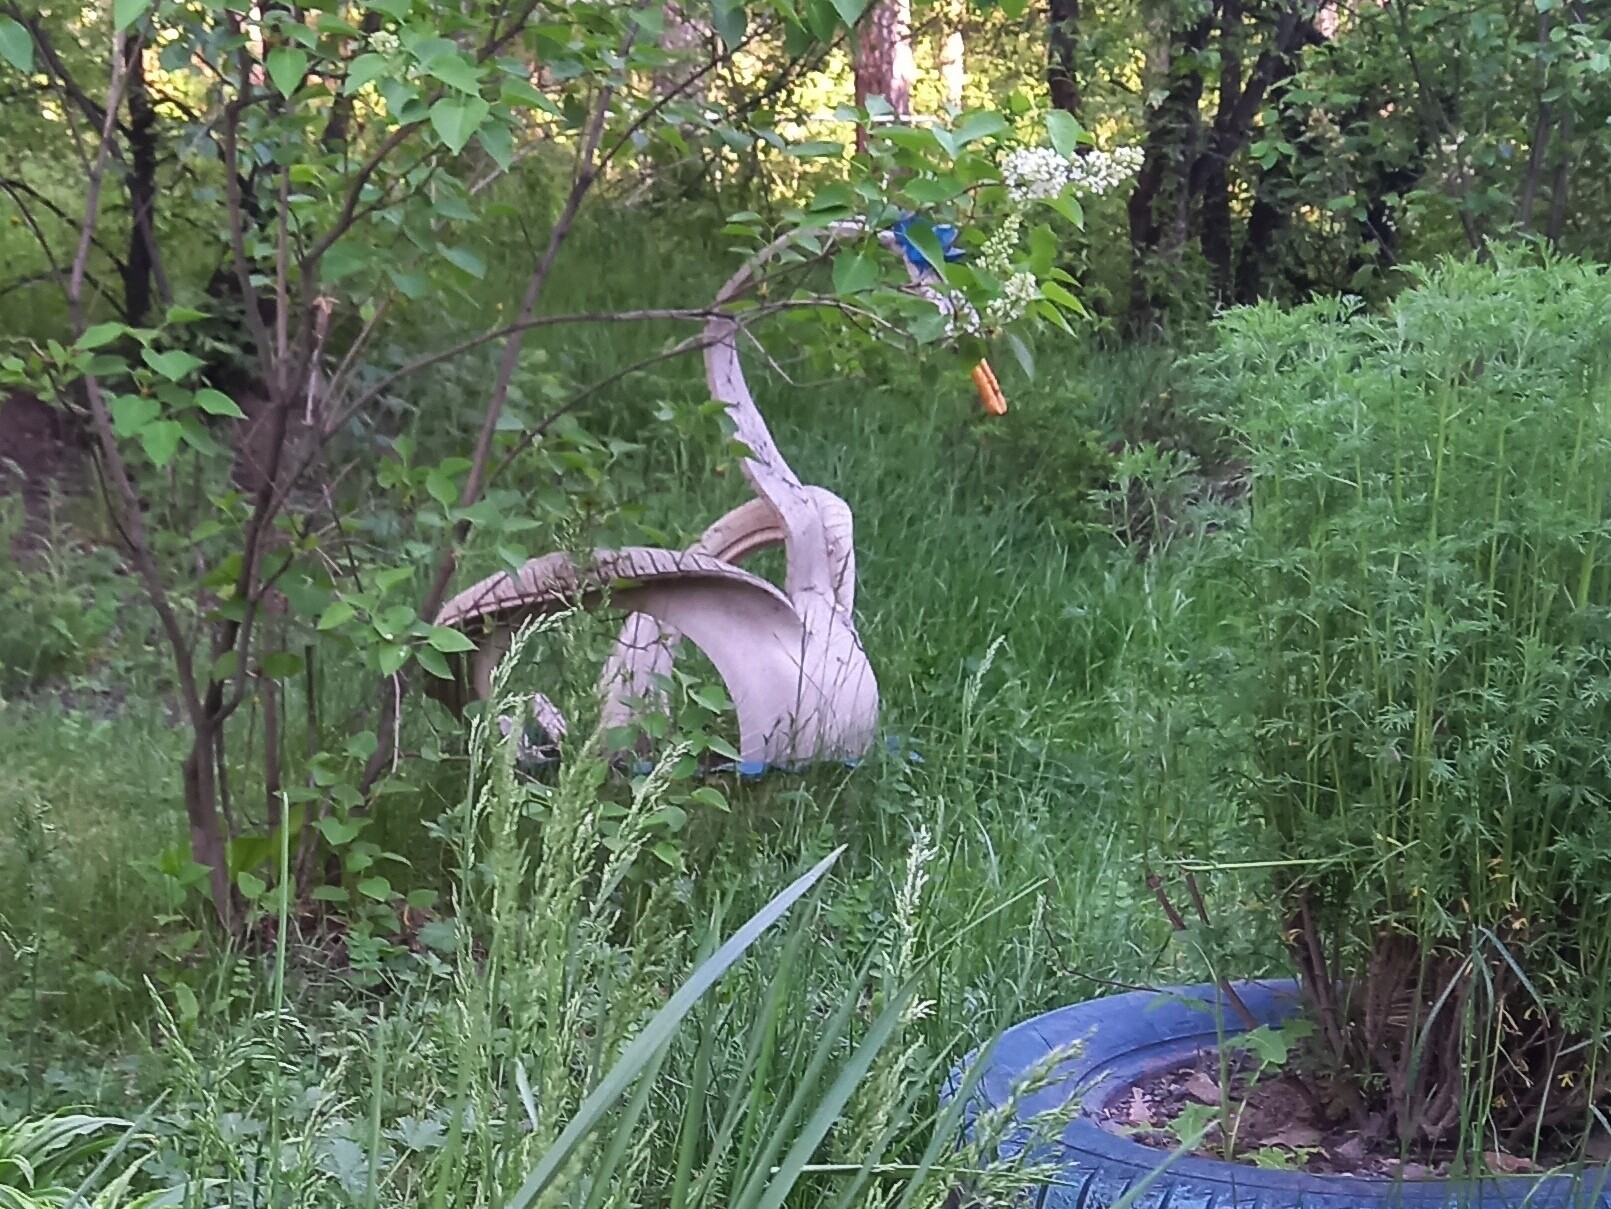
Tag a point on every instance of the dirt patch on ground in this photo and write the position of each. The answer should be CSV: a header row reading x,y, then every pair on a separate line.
x,y
41,454
1278,1121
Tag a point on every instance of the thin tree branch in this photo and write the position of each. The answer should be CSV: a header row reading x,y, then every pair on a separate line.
x,y
132,522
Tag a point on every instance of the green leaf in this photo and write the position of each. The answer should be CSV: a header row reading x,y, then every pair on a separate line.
x,y
518,91
453,71
850,11
449,641
1026,359
397,10
100,335
441,935
432,661
412,285
976,126
730,21
161,440
338,614
330,894
821,19
126,12
281,665
929,244
286,65
173,364
362,70
217,403
655,1036
930,191
340,832
815,150
949,143
16,45
391,658
1053,292
499,145
1064,132
464,259
189,1009
853,272
377,888
456,120
183,314
1069,209
251,885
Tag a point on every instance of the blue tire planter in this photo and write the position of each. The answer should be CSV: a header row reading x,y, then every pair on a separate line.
x,y
1127,1037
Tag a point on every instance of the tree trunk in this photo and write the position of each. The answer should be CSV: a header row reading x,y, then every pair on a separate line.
x,y
884,65
338,126
1265,223
1560,183
953,70
1215,236
1062,48
1273,190
208,845
1159,202
140,266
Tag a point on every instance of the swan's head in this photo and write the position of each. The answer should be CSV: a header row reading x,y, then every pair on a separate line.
x,y
924,270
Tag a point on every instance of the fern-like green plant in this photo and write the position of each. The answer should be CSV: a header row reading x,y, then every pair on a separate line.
x,y
1425,687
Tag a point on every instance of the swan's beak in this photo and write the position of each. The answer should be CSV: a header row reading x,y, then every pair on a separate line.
x,y
984,381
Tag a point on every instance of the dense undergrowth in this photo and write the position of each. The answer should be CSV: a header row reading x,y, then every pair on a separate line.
x,y
386,1056
1086,787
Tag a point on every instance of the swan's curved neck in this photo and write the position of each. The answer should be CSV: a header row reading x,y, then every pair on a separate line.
x,y
766,469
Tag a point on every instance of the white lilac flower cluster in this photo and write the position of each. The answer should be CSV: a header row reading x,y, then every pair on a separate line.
x,y
384,42
995,254
1017,293
1101,172
1034,174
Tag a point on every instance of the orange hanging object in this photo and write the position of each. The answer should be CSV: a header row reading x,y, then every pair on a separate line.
x,y
984,380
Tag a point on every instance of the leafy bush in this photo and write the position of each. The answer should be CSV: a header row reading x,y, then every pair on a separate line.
x,y
1425,659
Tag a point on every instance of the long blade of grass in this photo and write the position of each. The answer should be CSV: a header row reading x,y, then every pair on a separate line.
x,y
637,1055
625,1132
832,1105
947,1128
693,1115
778,1131
753,1073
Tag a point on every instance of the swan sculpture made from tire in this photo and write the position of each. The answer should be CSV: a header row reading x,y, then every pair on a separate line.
x,y
792,660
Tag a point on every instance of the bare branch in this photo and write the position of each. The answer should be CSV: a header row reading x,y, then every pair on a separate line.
x,y
132,522
97,175
689,314
17,190
237,226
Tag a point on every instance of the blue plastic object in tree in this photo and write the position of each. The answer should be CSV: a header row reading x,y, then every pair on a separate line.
x,y
945,235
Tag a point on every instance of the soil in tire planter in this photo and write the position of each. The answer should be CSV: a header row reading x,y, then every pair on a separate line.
x,y
1282,1122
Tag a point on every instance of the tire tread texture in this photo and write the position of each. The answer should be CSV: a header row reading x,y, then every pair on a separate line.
x,y
1125,1037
